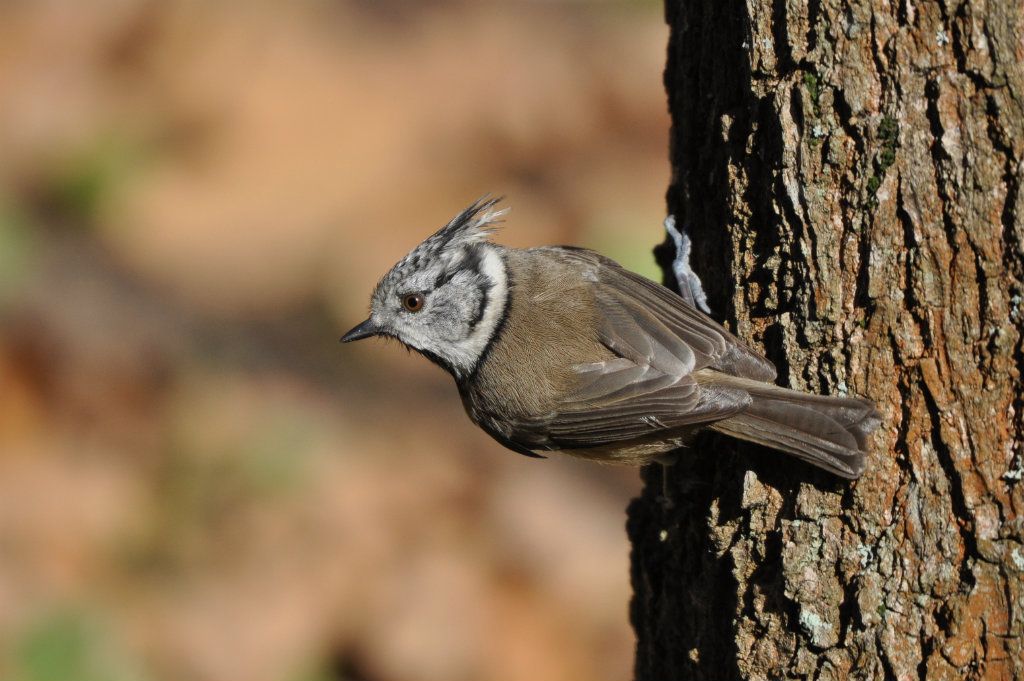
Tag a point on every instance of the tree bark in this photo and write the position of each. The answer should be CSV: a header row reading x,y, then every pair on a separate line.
x,y
850,174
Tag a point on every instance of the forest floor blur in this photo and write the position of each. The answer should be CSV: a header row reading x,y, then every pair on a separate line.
x,y
196,481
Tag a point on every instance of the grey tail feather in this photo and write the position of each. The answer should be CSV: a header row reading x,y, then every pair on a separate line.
x,y
828,432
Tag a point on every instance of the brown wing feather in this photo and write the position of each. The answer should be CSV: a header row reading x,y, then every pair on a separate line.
x,y
713,345
660,342
621,418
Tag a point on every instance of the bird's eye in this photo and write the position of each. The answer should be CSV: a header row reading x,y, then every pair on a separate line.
x,y
413,302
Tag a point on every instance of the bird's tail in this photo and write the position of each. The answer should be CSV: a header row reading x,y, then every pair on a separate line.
x,y
828,432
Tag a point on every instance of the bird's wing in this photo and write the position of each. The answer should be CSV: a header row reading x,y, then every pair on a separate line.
x,y
638,305
660,342
619,400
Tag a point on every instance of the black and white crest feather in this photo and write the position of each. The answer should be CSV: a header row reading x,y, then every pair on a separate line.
x,y
471,227
473,224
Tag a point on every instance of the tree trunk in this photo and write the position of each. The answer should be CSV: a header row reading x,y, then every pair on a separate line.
x,y
850,173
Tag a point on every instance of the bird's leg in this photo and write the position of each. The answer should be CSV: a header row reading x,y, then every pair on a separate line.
x,y
665,498
673,479
689,283
667,462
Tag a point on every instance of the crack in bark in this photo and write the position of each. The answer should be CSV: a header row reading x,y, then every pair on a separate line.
x,y
813,12
956,492
785,63
911,299
956,42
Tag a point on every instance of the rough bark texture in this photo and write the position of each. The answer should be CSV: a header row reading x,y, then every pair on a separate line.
x,y
851,176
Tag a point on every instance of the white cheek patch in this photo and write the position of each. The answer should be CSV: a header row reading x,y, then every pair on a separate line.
x,y
463,354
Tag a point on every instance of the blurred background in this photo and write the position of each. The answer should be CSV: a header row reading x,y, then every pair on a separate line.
x,y
197,482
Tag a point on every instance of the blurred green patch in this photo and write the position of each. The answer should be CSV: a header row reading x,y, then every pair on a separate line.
x,y
262,456
629,242
19,249
85,183
317,673
228,453
71,645
276,460
334,666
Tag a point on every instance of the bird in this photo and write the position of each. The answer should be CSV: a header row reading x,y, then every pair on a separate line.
x,y
559,348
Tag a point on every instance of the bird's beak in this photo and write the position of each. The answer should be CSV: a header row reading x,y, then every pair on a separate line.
x,y
364,330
